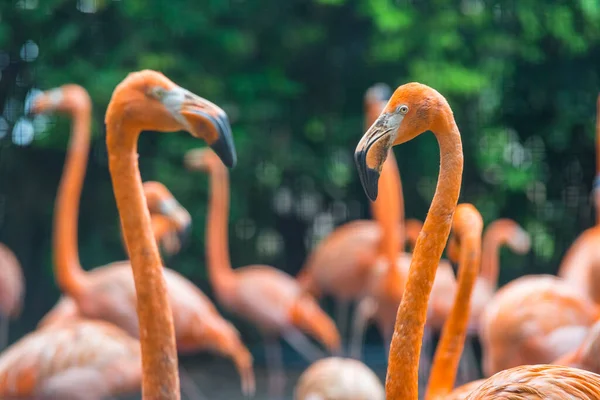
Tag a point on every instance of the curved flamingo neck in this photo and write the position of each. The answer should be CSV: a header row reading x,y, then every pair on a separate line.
x,y
70,275
217,232
452,340
160,378
403,366
496,235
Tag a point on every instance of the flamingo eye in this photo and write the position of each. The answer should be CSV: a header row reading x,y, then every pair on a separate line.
x,y
403,109
157,92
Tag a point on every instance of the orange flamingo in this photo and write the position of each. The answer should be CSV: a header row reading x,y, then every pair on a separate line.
x,y
341,264
12,290
533,320
413,109
169,230
265,296
148,100
336,378
80,359
580,266
466,227
586,356
109,292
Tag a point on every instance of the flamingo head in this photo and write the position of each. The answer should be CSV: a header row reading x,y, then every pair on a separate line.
x,y
161,201
161,105
411,110
66,98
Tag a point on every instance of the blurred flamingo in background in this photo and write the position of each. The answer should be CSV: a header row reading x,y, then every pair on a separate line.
x,y
413,109
166,228
109,292
12,291
533,320
336,378
171,222
539,318
263,295
80,359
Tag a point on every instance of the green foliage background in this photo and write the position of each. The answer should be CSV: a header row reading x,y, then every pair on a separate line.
x,y
522,78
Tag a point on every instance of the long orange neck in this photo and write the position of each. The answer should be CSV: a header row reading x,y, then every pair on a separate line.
x,y
69,274
161,226
157,336
452,340
403,365
496,236
217,232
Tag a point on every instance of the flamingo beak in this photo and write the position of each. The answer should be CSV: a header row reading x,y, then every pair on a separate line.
x,y
371,153
212,124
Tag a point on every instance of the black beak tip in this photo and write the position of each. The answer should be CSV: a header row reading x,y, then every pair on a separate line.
x,y
224,146
369,178
225,150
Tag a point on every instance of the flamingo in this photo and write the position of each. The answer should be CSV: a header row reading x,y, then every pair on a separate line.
x,y
80,359
169,230
579,266
263,295
109,292
534,320
12,290
413,109
148,100
341,263
142,101
336,378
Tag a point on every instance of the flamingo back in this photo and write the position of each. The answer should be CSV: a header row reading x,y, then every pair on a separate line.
x,y
539,382
534,319
82,345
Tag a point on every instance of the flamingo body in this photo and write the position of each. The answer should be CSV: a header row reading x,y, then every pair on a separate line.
x,y
534,320
81,359
110,295
341,263
539,382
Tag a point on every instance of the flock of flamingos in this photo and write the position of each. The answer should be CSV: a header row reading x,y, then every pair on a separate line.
x,y
119,327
